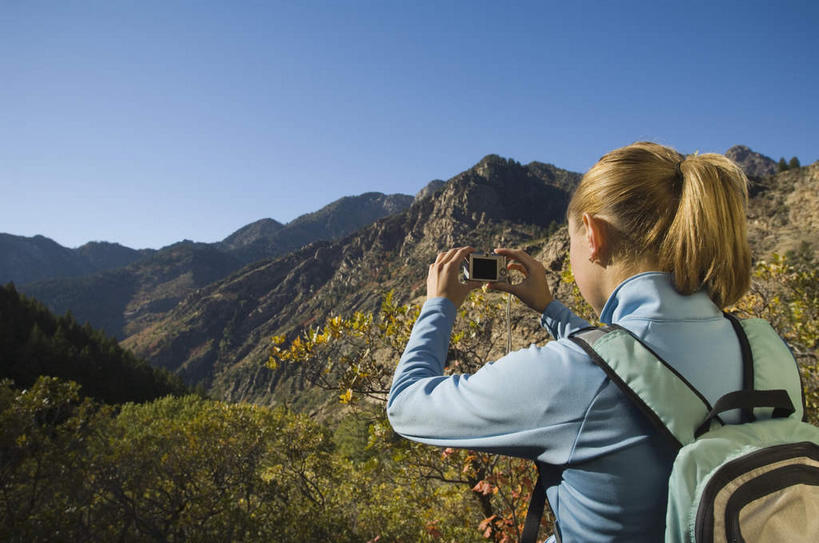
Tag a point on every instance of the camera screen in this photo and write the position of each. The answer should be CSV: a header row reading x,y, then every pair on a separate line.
x,y
485,268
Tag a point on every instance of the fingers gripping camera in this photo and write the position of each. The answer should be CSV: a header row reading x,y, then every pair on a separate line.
x,y
488,268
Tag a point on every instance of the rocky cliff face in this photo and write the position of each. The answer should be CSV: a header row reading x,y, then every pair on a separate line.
x,y
430,189
220,334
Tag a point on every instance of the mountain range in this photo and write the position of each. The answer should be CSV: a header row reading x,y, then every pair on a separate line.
x,y
121,299
207,311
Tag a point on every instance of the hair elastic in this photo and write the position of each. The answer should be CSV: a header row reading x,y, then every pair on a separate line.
x,y
678,171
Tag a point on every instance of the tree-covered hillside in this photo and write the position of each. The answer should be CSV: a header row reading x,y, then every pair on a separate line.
x,y
34,342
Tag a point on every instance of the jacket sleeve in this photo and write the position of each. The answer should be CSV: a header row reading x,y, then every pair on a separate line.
x,y
530,403
560,321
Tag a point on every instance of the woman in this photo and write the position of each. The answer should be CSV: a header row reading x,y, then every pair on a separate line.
x,y
658,246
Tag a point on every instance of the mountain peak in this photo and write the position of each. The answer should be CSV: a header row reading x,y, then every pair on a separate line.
x,y
491,166
752,163
250,233
431,188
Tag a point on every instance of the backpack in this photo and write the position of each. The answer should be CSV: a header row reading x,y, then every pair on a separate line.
x,y
750,482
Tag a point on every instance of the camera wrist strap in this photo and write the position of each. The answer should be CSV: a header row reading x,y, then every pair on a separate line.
x,y
508,322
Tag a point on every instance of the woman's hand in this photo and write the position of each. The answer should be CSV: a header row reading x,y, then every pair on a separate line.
x,y
533,290
443,279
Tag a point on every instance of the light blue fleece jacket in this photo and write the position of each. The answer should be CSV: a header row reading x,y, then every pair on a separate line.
x,y
554,405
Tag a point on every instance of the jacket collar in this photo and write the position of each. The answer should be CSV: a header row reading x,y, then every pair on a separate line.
x,y
651,295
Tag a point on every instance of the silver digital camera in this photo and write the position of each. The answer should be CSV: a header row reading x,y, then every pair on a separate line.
x,y
490,268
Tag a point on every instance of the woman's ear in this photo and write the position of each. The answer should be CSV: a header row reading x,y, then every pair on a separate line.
x,y
596,238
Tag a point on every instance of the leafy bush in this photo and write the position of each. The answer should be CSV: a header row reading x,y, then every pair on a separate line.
x,y
183,469
461,495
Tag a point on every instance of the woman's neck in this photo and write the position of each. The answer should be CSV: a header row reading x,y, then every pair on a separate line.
x,y
615,273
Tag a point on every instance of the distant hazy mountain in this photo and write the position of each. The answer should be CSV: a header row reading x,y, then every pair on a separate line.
x,y
125,300
23,259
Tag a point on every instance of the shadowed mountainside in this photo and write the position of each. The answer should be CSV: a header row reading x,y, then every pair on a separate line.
x,y
34,342
755,165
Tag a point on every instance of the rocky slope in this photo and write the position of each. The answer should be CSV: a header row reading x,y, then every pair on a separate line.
x,y
784,212
190,309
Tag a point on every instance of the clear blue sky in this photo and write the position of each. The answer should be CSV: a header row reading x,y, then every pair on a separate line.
x,y
146,122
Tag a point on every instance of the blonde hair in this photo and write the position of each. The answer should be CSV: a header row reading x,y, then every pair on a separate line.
x,y
686,214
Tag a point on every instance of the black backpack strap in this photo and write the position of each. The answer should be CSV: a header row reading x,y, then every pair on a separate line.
x,y
748,400
747,364
769,363
547,476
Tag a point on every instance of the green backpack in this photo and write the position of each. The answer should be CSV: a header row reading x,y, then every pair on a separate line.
x,y
753,481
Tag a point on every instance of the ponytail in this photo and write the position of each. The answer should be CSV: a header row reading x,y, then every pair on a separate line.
x,y
685,215
706,243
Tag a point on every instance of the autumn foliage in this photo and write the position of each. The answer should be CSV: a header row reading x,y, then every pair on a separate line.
x,y
356,357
